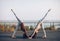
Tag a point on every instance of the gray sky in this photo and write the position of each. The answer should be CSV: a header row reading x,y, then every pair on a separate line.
x,y
29,9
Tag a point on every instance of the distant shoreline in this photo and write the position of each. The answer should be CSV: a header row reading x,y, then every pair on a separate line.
x,y
29,21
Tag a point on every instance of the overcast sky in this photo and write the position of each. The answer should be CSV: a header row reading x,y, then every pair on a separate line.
x,y
29,9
